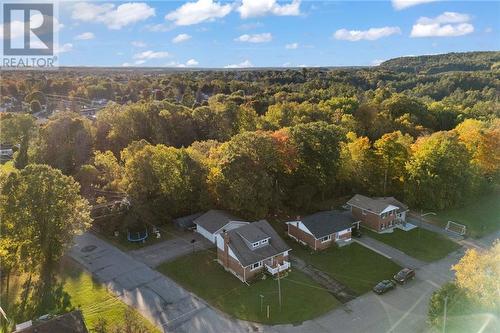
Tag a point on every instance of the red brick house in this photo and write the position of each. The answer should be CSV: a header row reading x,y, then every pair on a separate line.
x,y
379,213
252,249
323,229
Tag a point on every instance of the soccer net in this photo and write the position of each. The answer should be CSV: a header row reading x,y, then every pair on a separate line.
x,y
456,228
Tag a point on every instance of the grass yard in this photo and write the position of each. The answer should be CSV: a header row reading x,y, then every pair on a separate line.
x,y
481,216
88,295
167,231
302,298
418,243
353,265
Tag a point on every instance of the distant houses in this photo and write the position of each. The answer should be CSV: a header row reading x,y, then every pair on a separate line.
x,y
323,229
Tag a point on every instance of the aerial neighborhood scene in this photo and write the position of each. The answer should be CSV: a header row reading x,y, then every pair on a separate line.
x,y
227,166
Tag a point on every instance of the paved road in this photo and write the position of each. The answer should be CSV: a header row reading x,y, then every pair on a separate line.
x,y
170,249
175,310
155,296
399,257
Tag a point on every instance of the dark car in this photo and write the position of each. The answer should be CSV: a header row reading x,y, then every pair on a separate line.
x,y
384,286
404,275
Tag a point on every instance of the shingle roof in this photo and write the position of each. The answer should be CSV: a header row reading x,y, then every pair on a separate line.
x,y
248,256
328,222
186,221
376,205
71,322
214,220
252,235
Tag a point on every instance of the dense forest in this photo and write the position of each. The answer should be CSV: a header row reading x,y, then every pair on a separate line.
x,y
264,142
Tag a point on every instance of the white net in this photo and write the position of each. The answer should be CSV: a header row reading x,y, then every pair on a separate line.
x,y
456,228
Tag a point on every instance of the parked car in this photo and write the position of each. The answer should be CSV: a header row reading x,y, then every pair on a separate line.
x,y
384,286
404,275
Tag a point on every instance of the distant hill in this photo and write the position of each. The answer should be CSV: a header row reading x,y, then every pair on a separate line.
x,y
433,64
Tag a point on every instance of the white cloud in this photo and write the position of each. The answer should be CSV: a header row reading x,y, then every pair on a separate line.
x,y
448,24
377,62
244,64
36,20
85,36
402,4
197,12
139,62
147,55
138,43
126,64
159,27
189,63
253,8
113,17
255,38
181,38
292,46
67,47
370,34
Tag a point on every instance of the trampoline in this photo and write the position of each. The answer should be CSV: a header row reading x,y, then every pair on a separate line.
x,y
137,236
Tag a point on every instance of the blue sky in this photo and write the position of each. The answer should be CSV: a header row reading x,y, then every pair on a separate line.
x,y
261,33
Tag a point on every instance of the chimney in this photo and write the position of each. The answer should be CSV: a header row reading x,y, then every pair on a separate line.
x,y
226,249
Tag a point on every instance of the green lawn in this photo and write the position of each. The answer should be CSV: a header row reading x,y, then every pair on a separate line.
x,y
353,265
481,216
302,298
88,295
418,243
167,231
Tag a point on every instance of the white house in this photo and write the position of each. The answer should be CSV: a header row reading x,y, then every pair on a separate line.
x,y
214,222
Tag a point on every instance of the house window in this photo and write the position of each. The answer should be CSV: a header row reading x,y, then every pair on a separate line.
x,y
363,212
382,226
326,239
255,244
256,266
264,241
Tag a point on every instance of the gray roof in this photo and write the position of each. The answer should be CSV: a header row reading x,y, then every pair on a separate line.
x,y
325,223
375,205
214,220
252,235
248,256
71,322
186,221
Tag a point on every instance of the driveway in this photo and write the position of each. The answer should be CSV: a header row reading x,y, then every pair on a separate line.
x,y
171,249
399,257
155,296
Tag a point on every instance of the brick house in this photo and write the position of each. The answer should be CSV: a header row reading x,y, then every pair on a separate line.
x,y
379,213
252,249
323,229
214,222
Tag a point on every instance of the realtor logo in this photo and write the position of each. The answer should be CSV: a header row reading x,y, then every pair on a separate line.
x,y
28,29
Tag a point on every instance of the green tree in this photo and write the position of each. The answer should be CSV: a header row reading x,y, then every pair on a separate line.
x,y
439,172
18,129
41,211
392,151
65,142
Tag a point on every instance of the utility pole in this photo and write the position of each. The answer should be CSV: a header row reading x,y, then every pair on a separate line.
x,y
444,316
261,302
279,288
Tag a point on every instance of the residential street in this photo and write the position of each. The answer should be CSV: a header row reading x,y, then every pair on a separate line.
x,y
171,307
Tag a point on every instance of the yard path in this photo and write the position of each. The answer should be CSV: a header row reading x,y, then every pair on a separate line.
x,y
399,257
171,249
337,289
